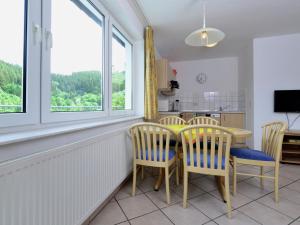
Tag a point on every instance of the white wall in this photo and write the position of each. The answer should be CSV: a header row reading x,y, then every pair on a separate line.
x,y
245,84
222,75
276,66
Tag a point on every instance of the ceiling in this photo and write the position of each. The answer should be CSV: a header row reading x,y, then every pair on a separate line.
x,y
241,20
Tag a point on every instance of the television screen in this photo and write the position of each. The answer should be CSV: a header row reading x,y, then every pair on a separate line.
x,y
287,101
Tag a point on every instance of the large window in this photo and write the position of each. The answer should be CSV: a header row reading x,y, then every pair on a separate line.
x,y
12,56
76,57
121,72
63,60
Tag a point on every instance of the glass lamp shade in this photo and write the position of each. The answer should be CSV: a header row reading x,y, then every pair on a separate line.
x,y
207,37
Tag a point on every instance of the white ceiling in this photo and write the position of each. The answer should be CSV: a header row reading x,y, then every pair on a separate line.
x,y
241,20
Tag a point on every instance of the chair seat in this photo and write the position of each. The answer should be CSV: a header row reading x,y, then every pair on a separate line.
x,y
172,154
251,154
208,161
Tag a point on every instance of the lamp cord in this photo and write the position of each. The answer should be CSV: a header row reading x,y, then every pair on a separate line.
x,y
290,125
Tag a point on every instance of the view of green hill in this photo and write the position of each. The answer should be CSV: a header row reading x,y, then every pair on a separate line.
x,y
80,91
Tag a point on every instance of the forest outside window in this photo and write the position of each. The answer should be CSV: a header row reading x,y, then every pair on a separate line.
x,y
13,56
121,72
76,57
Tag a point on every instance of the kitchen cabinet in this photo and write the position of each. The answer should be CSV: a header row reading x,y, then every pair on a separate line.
x,y
236,120
164,74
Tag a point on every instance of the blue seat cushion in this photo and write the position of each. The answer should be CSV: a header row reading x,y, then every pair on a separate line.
x,y
172,154
202,161
245,153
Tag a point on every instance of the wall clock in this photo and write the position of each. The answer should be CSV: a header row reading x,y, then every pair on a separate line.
x,y
201,78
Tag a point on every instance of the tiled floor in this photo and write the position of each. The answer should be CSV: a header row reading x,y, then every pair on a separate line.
x,y
251,205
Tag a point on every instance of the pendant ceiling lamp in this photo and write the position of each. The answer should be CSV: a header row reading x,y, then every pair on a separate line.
x,y
206,36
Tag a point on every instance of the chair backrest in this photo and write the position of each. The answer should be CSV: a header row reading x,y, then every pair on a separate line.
x,y
272,138
149,140
205,146
203,120
169,120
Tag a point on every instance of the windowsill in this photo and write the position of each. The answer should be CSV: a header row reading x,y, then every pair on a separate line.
x,y
46,132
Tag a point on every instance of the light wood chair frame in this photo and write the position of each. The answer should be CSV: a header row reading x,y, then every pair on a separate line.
x,y
172,120
203,120
272,139
153,137
217,135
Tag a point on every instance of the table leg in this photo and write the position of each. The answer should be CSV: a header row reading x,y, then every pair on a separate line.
x,y
220,180
159,179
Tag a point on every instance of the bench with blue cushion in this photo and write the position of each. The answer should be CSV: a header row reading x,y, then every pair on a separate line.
x,y
251,154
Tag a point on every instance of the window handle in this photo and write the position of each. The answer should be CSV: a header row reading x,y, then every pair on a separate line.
x,y
49,39
37,34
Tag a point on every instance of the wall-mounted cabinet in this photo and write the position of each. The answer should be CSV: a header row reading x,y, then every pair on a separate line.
x,y
164,74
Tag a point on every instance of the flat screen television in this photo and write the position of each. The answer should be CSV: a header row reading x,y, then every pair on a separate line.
x,y
287,101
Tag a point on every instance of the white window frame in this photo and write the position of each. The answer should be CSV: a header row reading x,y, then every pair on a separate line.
x,y
126,112
47,115
31,116
38,86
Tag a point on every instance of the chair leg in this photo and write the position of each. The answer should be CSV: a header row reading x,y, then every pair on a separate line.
x,y
227,192
134,180
177,172
142,172
234,175
167,184
276,183
185,188
261,178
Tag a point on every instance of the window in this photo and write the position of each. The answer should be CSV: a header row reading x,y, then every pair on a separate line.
x,y
76,57
121,72
12,56
63,60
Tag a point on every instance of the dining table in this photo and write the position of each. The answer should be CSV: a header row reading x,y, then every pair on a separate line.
x,y
237,133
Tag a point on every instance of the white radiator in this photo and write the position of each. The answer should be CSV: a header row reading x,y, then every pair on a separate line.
x,y
63,186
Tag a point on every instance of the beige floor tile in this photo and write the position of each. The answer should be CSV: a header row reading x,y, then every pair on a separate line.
x,y
284,205
126,191
193,176
159,197
193,190
250,191
124,223
147,184
269,183
236,201
205,183
290,172
294,186
237,218
296,223
290,195
137,206
189,216
264,214
110,215
209,205
210,223
154,218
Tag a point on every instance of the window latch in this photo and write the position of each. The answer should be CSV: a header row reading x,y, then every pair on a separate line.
x,y
37,34
49,40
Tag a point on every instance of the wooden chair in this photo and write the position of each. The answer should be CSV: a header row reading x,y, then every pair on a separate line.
x,y
169,120
151,147
200,120
201,157
268,156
